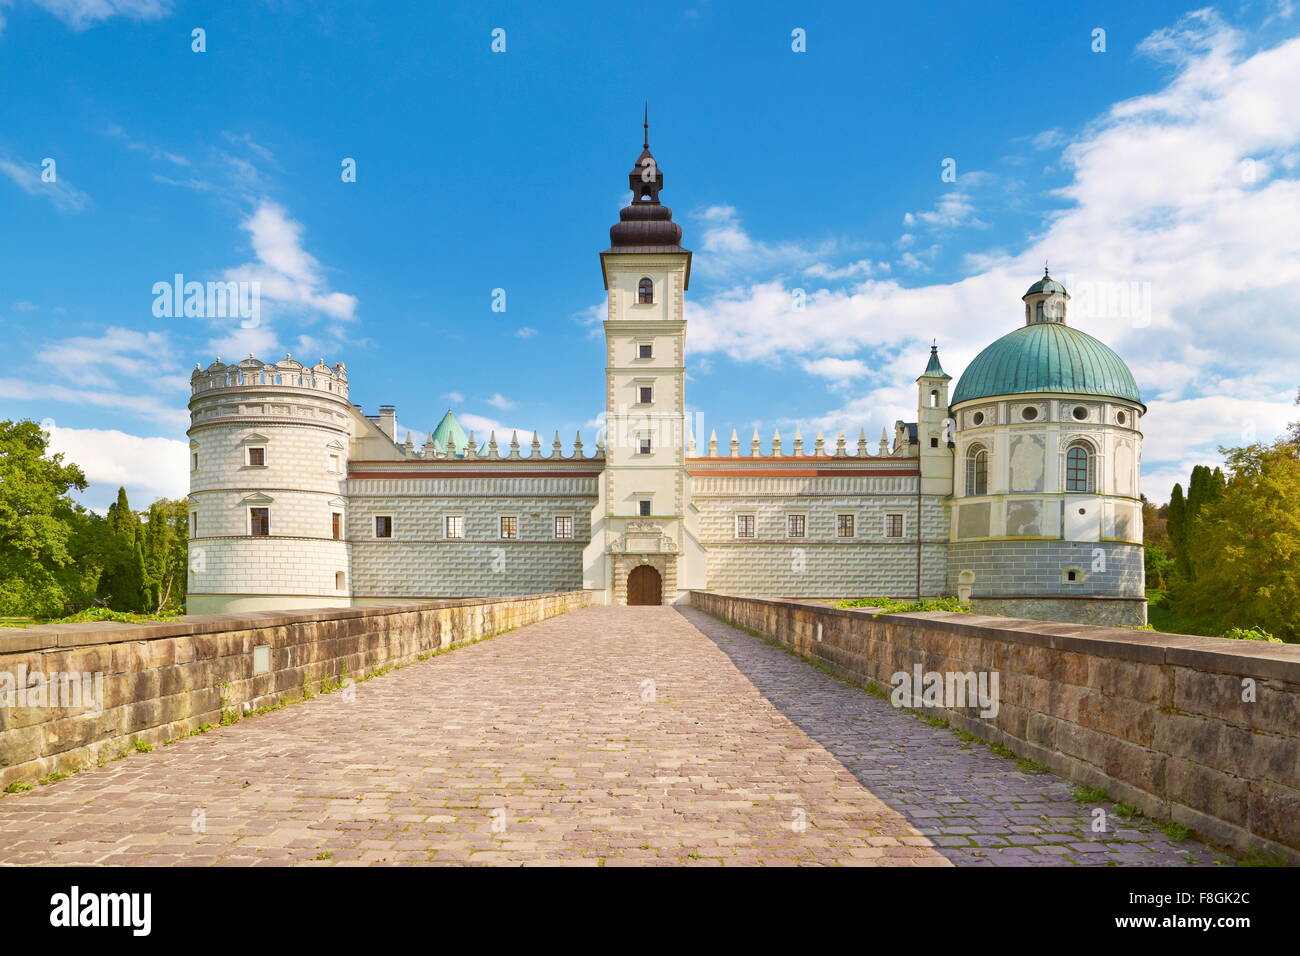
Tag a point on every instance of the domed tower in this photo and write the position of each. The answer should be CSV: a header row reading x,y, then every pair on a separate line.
x,y
1046,514
269,446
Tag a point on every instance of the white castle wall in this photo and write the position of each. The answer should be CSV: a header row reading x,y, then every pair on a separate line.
x,y
420,561
820,563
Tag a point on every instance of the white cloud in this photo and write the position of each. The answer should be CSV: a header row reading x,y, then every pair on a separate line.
x,y
287,273
142,405
455,398
1161,205
500,401
83,14
836,369
127,355
526,332
24,307
27,176
148,468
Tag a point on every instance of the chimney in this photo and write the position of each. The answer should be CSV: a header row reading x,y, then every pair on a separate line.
x,y
388,420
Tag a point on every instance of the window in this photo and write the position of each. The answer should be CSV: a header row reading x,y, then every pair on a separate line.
x,y
934,398
340,580
1077,470
336,526
509,526
1119,418
1080,413
564,526
645,394
383,526
334,464
934,442
259,522
744,526
194,524
645,292
643,446
256,456
977,418
893,526
977,470
1029,414
644,508
796,525
454,526
194,460
645,350
844,526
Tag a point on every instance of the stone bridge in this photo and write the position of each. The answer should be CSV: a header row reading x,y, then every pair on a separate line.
x,y
600,737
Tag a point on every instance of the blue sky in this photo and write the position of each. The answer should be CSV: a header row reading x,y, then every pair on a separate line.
x,y
1161,177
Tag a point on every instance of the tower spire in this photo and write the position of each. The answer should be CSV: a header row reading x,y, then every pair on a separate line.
x,y
646,125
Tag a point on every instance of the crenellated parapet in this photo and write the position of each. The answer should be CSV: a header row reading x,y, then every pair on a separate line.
x,y
285,373
903,446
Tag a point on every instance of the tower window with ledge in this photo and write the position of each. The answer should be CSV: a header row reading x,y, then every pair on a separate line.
x,y
977,471
1078,468
645,292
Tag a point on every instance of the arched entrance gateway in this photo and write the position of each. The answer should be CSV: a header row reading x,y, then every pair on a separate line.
x,y
644,586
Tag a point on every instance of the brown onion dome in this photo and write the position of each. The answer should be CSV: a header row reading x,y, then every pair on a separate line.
x,y
645,225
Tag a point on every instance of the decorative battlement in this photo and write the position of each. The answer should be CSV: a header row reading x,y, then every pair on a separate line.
x,y
287,372
438,447
902,446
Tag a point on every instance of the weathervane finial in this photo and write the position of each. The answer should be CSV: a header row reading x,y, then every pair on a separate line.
x,y
646,125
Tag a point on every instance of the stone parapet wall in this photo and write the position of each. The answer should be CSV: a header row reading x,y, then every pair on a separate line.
x,y
163,681
1157,720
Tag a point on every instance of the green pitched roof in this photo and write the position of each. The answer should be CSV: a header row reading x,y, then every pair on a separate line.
x,y
934,369
449,434
1046,357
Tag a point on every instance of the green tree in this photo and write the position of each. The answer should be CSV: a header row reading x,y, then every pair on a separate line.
x,y
1247,546
165,554
122,583
1175,524
34,529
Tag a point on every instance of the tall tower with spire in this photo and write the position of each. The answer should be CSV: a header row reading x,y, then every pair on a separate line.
x,y
638,528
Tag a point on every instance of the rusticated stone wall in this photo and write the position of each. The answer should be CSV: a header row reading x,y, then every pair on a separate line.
x,y
163,681
1204,731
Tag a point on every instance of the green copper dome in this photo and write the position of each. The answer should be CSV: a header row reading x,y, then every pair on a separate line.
x,y
449,436
1046,357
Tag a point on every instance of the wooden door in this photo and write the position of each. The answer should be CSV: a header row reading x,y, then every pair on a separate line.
x,y
644,586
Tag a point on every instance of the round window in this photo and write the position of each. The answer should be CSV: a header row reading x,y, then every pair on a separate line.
x,y
1080,413
978,418
1121,418
1029,414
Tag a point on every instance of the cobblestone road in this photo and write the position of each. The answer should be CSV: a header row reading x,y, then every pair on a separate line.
x,y
608,736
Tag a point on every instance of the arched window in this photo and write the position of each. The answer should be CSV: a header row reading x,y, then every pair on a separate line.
x,y
977,470
1078,468
934,398
645,292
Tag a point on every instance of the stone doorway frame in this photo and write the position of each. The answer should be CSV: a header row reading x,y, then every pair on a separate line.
x,y
622,565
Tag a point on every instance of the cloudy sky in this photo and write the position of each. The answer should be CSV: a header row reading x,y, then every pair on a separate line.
x,y
903,178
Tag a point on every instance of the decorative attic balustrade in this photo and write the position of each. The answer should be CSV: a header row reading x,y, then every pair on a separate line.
x,y
285,373
901,447
492,451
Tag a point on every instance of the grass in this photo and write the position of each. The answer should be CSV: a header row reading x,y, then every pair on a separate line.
x,y
891,606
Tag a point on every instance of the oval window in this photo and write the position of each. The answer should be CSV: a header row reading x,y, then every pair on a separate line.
x,y
1080,412
1029,414
1121,417
978,418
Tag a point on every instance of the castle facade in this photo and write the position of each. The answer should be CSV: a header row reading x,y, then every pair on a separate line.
x,y
1018,492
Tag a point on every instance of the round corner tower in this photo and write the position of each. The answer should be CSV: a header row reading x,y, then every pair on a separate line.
x,y
1046,508
269,445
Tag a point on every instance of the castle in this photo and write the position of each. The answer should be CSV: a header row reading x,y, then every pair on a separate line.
x,y
1019,492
